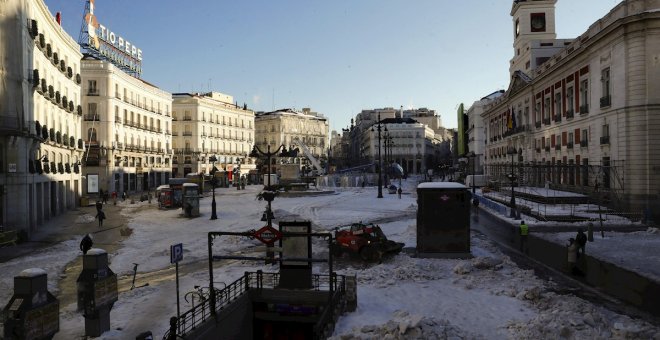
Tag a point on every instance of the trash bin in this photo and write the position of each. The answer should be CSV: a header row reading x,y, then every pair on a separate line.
x,y
84,201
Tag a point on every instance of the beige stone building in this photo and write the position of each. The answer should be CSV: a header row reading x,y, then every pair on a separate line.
x,y
588,118
287,127
210,124
127,126
40,122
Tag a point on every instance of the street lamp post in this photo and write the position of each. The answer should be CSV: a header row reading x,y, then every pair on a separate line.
x,y
237,174
380,161
256,152
213,159
512,177
471,155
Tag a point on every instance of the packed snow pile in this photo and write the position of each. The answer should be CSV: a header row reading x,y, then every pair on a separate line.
x,y
406,326
85,218
568,317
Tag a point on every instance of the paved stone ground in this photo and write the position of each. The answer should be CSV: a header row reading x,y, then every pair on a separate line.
x,y
71,224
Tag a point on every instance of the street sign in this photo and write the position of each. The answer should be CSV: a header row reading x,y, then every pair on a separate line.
x,y
267,235
176,253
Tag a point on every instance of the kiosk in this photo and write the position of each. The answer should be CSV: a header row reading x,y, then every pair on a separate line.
x,y
191,199
32,312
443,220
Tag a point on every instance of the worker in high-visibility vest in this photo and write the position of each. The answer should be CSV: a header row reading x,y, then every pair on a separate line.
x,y
524,230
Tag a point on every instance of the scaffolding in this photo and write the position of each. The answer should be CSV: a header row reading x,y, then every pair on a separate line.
x,y
598,186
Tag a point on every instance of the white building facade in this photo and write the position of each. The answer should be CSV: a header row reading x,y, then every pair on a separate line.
x,y
476,130
40,123
210,124
127,127
287,127
591,113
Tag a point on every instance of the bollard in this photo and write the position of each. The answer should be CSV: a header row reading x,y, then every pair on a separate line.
x,y
32,312
97,292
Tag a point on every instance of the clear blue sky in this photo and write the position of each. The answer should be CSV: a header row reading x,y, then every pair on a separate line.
x,y
336,57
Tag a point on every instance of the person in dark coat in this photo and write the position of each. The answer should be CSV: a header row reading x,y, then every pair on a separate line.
x,y
86,244
99,206
399,191
581,240
100,215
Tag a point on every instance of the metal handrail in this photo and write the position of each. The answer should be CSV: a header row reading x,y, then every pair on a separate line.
x,y
195,316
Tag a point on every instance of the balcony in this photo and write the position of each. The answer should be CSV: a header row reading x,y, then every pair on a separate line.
x,y
605,101
538,150
187,118
558,147
584,143
187,133
92,117
547,148
569,145
117,119
546,121
569,114
537,125
605,140
93,92
557,118
584,109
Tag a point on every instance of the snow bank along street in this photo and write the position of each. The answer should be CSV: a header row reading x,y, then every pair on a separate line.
x,y
486,297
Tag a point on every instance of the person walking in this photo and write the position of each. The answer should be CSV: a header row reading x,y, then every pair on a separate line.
x,y
105,197
572,256
86,244
99,206
100,215
581,240
399,191
524,230
123,196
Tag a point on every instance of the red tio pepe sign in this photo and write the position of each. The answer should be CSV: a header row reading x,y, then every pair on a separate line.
x,y
267,235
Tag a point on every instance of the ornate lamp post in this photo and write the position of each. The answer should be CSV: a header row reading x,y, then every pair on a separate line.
x,y
256,152
213,159
512,177
380,160
237,174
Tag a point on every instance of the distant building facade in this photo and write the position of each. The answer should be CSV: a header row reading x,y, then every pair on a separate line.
x,y
476,132
127,126
283,127
40,122
588,118
211,124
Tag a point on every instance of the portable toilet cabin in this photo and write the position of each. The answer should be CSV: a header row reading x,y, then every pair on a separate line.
x,y
191,199
443,220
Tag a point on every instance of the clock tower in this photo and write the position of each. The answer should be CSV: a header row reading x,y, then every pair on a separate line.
x,y
533,20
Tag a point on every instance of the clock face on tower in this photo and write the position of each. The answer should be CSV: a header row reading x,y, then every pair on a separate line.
x,y
517,27
537,22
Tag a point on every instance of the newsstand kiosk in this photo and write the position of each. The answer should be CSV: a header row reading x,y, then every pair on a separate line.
x,y
32,312
97,292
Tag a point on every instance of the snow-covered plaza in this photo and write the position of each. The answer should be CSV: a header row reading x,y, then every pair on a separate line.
x,y
486,297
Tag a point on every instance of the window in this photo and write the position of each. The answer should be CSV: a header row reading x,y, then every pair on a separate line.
x,y
606,98
91,88
91,109
558,107
546,112
605,135
569,102
584,96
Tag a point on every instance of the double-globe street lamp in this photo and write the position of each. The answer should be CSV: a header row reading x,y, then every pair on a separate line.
x,y
269,195
380,159
213,159
512,177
